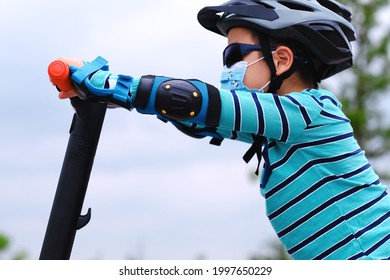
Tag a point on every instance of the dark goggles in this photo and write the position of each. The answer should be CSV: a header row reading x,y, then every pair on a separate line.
x,y
236,52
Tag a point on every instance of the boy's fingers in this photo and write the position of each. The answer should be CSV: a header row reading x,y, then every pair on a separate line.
x,y
62,95
66,94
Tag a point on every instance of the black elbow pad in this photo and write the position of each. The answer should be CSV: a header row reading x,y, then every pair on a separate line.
x,y
178,99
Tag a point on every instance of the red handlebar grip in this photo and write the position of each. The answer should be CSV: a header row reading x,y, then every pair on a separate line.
x,y
60,76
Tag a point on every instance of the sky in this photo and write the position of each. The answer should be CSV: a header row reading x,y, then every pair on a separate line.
x,y
154,192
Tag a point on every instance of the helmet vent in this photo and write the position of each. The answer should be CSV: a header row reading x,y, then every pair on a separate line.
x,y
296,6
330,33
337,8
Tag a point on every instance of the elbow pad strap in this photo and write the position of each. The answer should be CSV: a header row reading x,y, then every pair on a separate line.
x,y
144,91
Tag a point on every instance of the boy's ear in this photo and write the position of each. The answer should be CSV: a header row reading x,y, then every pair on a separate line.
x,y
283,59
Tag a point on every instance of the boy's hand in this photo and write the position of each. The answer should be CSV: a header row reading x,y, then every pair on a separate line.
x,y
70,62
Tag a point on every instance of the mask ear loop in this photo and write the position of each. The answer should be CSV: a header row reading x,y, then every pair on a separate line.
x,y
257,60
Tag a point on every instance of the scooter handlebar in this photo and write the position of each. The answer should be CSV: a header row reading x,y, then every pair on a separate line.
x,y
60,76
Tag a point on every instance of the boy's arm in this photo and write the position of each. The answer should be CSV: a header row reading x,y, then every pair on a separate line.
x,y
165,97
181,102
197,108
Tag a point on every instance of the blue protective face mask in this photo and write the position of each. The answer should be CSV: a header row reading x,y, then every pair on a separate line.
x,y
233,77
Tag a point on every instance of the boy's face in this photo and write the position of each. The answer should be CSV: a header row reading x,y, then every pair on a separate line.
x,y
258,74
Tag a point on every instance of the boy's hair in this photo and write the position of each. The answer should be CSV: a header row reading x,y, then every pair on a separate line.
x,y
307,72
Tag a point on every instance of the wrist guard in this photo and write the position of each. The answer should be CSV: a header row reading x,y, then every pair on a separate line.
x,y
119,95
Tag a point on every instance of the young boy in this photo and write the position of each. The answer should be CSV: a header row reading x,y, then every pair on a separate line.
x,y
323,198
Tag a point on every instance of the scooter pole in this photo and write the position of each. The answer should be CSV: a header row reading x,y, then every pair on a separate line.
x,y
65,217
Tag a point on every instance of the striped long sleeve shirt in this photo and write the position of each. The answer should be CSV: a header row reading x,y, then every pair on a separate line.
x,y
322,196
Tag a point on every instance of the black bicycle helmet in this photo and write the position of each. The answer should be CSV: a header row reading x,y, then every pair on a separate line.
x,y
322,26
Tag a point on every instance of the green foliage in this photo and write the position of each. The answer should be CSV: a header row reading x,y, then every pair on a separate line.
x,y
276,252
3,242
4,245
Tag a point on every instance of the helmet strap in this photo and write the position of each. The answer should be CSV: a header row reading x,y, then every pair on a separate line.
x,y
276,82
